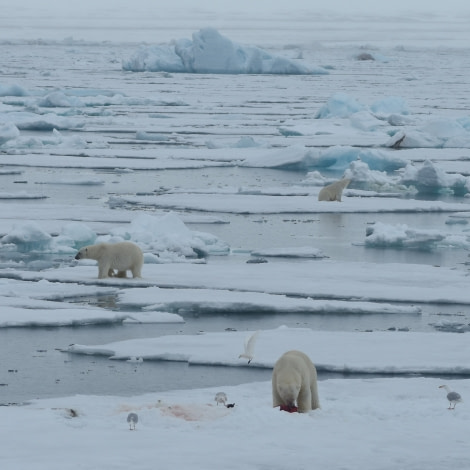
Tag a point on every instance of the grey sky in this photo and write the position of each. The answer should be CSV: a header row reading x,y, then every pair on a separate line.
x,y
360,6
448,7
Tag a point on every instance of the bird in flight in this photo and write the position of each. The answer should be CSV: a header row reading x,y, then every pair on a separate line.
x,y
250,347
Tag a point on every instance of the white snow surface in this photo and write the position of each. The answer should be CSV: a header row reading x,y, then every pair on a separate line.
x,y
182,429
394,352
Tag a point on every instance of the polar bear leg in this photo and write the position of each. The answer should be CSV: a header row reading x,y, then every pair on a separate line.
x,y
277,400
136,271
304,400
103,270
314,390
121,274
314,395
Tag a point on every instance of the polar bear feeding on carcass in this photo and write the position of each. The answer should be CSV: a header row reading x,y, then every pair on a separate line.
x,y
294,383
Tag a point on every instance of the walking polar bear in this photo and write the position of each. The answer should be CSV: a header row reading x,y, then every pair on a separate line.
x,y
294,383
333,191
121,256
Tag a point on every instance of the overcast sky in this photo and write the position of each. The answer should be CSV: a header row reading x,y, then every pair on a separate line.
x,y
338,5
164,20
450,7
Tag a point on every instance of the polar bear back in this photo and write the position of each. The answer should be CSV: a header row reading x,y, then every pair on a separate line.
x,y
122,256
294,382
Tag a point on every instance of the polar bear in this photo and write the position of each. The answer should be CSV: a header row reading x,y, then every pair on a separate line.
x,y
333,191
121,256
294,383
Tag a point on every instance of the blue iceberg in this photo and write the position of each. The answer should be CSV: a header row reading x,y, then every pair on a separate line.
x,y
210,52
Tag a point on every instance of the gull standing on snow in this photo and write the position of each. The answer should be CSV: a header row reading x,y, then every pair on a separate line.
x,y
132,419
453,397
250,346
220,397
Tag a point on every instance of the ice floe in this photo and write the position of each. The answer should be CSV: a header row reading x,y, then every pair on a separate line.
x,y
210,52
213,301
394,352
164,238
236,203
403,237
318,279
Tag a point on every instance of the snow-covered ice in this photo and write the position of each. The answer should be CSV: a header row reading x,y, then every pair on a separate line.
x,y
210,52
382,423
347,352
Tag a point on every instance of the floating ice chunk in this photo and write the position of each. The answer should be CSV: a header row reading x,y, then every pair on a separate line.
x,y
399,120
378,160
443,128
402,236
210,52
413,139
12,90
437,133
366,121
315,178
390,105
28,237
295,157
79,233
431,179
245,142
362,177
142,135
361,174
299,158
48,141
154,59
168,234
58,99
339,105
45,122
289,132
8,131
40,317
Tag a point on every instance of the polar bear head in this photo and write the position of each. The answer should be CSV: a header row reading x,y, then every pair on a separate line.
x,y
82,253
289,391
94,251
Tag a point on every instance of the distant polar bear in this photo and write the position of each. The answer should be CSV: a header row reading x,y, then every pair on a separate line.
x,y
121,256
294,382
333,191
